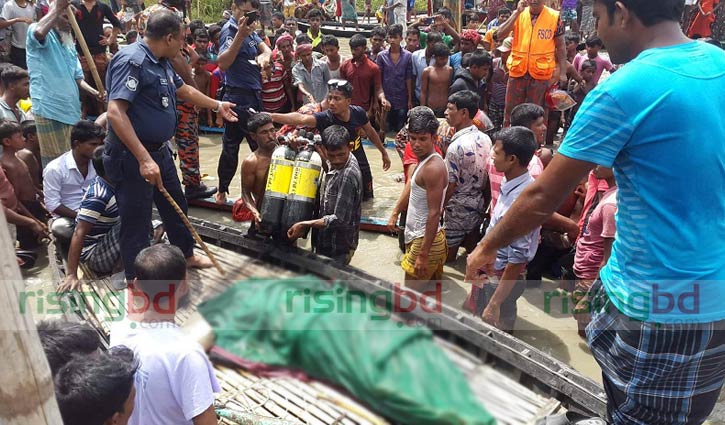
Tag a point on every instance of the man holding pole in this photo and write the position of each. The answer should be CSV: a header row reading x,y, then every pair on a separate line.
x,y
142,92
55,79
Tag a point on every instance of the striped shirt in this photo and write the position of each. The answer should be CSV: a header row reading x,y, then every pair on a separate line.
x,y
652,124
274,97
98,208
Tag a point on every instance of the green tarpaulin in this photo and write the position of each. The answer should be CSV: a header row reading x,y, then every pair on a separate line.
x,y
342,337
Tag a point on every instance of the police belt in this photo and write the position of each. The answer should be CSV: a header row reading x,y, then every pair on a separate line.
x,y
150,147
238,91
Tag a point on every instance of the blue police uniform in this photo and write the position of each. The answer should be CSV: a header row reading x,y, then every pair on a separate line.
x,y
149,86
243,87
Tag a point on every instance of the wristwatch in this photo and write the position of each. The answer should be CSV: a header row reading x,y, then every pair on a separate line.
x,y
218,106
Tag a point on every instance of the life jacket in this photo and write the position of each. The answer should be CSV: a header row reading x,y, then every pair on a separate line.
x,y
533,49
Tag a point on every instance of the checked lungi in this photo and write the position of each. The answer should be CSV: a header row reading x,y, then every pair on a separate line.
x,y
656,373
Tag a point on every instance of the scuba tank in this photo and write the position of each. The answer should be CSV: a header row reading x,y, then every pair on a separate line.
x,y
277,188
300,203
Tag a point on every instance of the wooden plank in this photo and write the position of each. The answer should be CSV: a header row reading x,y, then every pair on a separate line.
x,y
27,395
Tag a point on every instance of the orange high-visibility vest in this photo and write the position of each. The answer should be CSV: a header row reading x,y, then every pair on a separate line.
x,y
533,49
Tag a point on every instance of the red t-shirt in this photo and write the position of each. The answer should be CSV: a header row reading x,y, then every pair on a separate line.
x,y
365,79
409,159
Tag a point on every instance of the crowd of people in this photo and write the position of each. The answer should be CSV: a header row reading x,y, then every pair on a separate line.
x,y
475,111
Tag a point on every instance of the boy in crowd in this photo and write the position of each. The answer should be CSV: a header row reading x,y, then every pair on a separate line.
x,y
571,41
310,75
18,217
331,47
30,154
473,76
377,42
425,239
277,84
422,59
364,75
11,137
513,149
436,81
16,83
395,65
255,167
314,18
353,118
176,382
99,389
96,238
336,232
595,245
594,45
466,160
412,39
202,78
469,44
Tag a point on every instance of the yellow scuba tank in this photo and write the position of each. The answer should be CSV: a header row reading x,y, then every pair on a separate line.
x,y
302,195
277,188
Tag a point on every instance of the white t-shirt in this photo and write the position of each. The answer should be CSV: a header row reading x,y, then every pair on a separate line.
x,y
175,381
11,10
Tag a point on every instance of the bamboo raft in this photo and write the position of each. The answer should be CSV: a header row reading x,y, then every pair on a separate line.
x,y
511,393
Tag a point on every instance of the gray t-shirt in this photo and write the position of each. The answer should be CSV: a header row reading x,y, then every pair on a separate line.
x,y
11,10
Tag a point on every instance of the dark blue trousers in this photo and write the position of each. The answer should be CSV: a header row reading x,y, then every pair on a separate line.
x,y
234,132
135,197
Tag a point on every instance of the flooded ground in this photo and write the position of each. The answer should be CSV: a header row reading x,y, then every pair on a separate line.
x,y
543,321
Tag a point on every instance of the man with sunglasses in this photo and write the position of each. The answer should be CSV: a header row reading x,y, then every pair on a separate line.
x,y
353,118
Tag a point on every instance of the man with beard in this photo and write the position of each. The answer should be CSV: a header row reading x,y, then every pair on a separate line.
x,y
55,78
175,382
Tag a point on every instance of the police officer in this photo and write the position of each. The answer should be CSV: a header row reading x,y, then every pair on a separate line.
x,y
241,55
142,91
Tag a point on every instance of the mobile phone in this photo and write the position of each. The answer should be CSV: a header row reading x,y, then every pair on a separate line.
x,y
428,21
251,17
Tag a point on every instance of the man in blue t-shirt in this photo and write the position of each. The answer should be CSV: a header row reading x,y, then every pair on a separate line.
x,y
242,54
656,327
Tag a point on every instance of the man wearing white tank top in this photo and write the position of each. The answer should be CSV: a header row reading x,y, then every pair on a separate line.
x,y
425,239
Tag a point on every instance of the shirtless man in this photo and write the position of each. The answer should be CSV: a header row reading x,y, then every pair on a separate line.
x,y
202,78
425,240
436,81
256,166
30,155
11,137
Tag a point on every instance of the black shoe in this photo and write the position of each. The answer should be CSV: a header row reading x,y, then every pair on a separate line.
x,y
199,192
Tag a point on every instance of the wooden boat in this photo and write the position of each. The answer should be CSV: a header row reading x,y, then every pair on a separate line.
x,y
337,29
516,382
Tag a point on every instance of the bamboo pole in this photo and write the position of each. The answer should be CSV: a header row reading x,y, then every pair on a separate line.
x,y
192,230
27,395
86,52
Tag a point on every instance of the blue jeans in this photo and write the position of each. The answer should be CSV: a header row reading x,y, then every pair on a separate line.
x,y
397,119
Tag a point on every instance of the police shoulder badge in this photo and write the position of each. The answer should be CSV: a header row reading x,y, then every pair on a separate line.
x,y
131,83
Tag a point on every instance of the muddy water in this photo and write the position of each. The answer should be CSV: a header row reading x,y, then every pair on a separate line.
x,y
378,254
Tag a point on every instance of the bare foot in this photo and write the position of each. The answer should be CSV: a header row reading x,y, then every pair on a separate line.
x,y
220,198
198,262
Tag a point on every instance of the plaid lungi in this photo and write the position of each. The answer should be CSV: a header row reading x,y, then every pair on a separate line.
x,y
53,137
104,255
524,90
656,373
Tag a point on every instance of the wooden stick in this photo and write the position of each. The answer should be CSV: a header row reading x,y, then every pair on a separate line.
x,y
192,230
86,52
